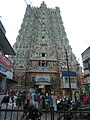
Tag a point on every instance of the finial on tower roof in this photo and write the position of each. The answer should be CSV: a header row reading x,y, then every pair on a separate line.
x,y
43,4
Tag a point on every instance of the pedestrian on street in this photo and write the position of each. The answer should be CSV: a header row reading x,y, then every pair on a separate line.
x,y
36,99
7,103
54,101
32,95
84,98
28,98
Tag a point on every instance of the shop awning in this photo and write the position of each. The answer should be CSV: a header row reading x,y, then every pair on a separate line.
x,y
5,45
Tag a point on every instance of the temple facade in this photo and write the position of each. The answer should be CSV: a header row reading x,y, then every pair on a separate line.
x,y
44,59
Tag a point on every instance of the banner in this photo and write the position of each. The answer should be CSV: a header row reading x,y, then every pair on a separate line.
x,y
43,78
5,61
6,71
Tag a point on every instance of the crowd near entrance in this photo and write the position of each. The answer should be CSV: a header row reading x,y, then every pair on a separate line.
x,y
40,101
43,88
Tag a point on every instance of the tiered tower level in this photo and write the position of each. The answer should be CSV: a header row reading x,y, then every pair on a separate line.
x,y
40,49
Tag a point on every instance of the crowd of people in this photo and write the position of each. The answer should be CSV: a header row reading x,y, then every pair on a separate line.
x,y
43,100
27,100
83,97
39,100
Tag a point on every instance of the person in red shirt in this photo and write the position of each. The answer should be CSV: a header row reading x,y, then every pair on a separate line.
x,y
58,96
84,98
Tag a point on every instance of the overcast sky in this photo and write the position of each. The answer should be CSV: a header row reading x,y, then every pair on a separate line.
x,y
75,15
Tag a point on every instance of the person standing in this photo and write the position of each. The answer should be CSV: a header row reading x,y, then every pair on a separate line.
x,y
54,101
84,98
7,103
36,99
41,101
28,98
32,95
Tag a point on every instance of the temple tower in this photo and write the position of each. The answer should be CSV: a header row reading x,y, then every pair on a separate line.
x,y
41,47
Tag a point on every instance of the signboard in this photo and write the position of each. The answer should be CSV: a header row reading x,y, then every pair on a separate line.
x,y
7,72
5,61
42,78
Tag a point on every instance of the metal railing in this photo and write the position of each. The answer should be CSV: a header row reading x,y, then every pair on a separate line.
x,y
18,112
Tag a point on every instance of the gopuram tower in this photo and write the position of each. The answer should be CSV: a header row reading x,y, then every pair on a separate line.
x,y
43,54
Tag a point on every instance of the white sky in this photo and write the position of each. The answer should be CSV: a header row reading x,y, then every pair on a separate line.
x,y
75,15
